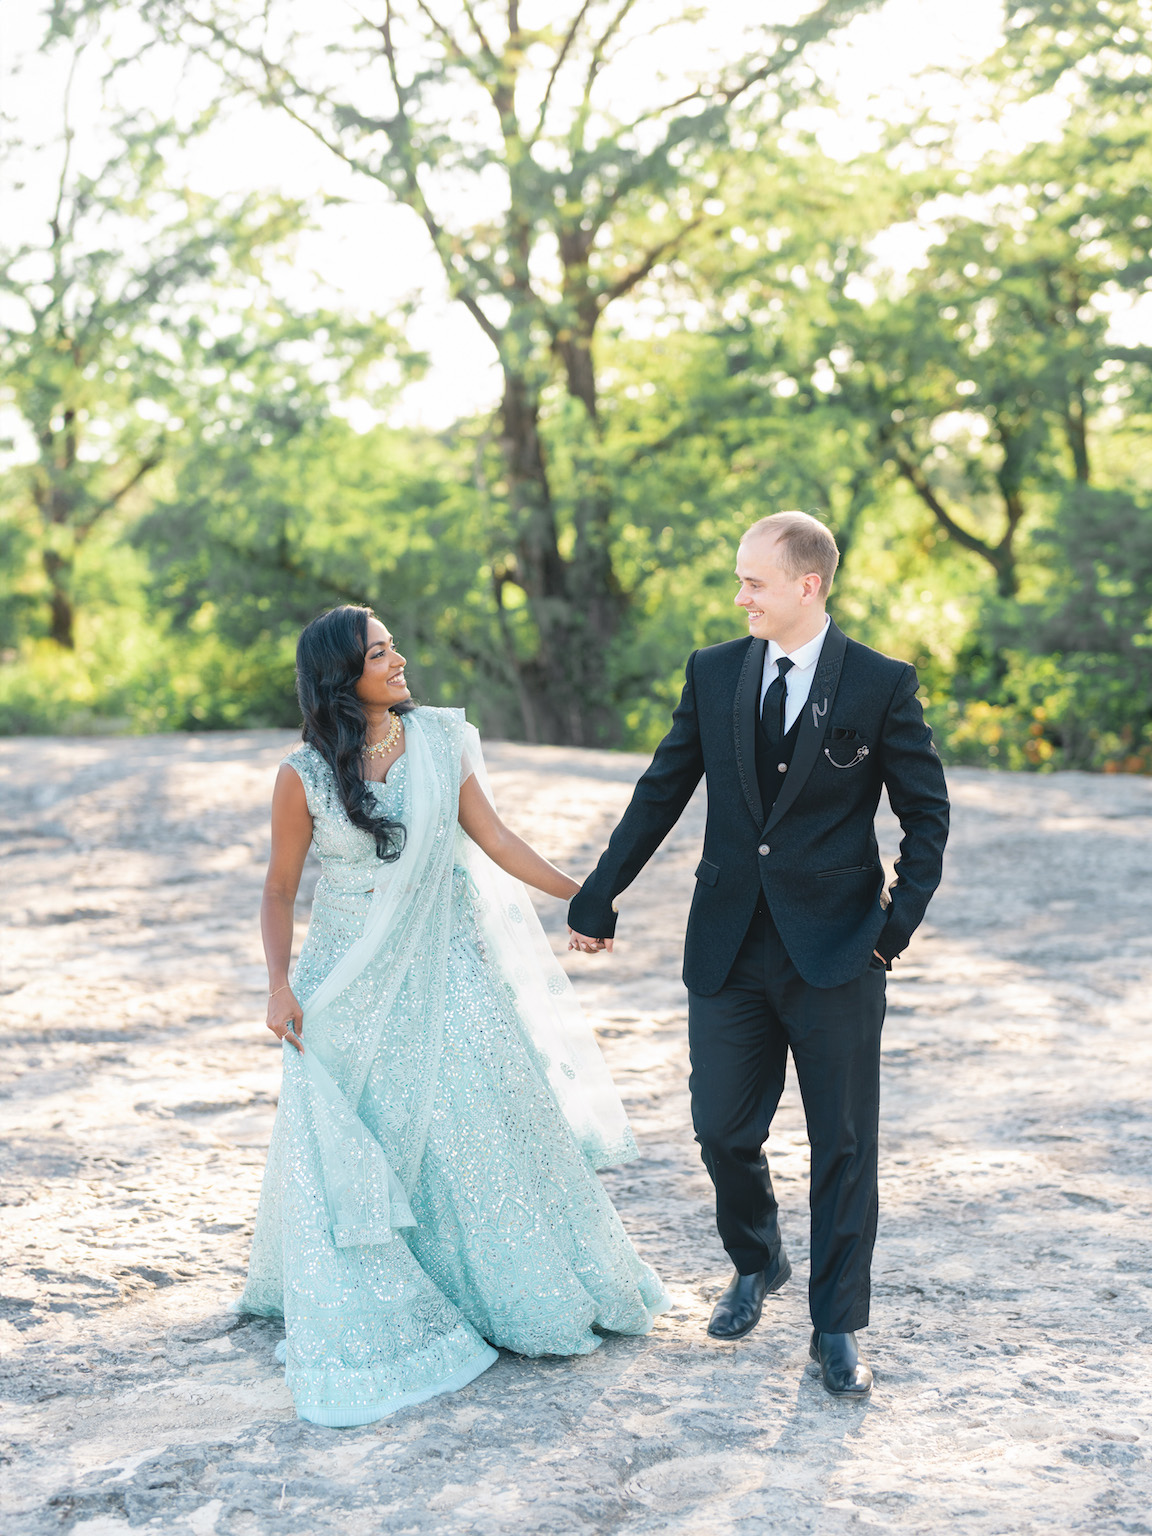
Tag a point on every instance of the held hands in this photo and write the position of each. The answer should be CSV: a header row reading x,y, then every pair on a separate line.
x,y
586,945
286,1017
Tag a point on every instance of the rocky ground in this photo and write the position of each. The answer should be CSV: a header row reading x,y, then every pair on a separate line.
x,y
1012,1325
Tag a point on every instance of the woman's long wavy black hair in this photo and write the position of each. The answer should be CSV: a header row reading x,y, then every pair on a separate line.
x,y
329,660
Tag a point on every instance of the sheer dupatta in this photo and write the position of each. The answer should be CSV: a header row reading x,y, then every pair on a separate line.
x,y
545,1003
405,943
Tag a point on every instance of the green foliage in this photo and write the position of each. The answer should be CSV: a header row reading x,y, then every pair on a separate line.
x,y
100,359
264,528
1067,681
972,429
545,206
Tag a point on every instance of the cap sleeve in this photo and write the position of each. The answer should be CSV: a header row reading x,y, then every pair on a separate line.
x,y
312,772
471,757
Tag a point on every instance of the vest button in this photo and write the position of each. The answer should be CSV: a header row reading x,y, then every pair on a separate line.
x,y
781,767
763,849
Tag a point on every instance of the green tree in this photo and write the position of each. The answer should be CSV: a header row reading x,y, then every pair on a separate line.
x,y
283,513
990,376
545,203
100,360
1095,623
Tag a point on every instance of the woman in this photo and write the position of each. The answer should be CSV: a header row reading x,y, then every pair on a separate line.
x,y
430,1189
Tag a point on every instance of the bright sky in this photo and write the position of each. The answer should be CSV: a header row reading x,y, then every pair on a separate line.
x,y
373,254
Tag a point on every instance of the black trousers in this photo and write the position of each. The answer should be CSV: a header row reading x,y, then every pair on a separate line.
x,y
739,1041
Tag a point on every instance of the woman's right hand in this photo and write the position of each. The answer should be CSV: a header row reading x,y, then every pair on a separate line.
x,y
286,1018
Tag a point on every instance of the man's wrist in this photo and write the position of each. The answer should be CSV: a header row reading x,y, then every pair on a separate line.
x,y
590,918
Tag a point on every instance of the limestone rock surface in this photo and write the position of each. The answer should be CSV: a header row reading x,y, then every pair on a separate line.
x,y
1012,1315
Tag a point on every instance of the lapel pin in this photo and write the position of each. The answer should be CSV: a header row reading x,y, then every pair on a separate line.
x,y
861,754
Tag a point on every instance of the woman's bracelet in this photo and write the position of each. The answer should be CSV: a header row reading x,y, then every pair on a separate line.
x,y
278,990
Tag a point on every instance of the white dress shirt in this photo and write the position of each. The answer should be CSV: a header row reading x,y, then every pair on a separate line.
x,y
797,681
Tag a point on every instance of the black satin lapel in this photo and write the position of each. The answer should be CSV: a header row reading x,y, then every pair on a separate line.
x,y
745,712
812,722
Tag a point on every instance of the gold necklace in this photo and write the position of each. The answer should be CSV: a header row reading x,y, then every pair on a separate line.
x,y
386,742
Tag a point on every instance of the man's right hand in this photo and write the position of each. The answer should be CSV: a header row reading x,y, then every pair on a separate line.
x,y
586,945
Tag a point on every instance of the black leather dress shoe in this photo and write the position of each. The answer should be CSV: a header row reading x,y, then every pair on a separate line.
x,y
844,1373
738,1310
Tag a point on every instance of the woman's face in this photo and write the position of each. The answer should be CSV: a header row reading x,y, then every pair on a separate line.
x,y
382,681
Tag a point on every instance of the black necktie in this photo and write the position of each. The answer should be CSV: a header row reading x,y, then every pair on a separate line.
x,y
772,710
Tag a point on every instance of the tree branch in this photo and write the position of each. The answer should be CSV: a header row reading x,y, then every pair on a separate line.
x,y
145,467
493,332
445,36
479,31
919,482
641,271
553,73
413,194
1121,354
600,47
726,95
66,165
595,65
417,201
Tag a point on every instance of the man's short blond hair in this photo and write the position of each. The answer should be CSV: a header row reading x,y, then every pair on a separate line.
x,y
806,546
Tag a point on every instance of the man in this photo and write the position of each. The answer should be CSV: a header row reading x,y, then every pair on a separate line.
x,y
791,932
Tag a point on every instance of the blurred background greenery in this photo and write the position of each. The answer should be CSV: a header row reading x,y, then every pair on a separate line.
x,y
699,313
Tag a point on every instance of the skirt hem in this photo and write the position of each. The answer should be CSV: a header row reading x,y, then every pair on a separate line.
x,y
351,1418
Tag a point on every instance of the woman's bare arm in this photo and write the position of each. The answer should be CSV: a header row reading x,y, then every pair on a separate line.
x,y
291,839
515,857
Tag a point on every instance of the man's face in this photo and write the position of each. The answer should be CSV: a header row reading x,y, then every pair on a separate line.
x,y
774,601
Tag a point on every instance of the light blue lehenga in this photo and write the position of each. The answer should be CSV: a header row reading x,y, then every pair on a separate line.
x,y
430,1189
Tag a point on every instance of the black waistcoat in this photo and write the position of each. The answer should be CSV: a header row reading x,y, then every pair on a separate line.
x,y
770,754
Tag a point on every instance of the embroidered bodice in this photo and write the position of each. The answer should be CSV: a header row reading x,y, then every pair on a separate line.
x,y
347,854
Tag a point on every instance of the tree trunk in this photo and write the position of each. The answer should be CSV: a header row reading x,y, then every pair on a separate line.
x,y
62,626
574,603
576,355
1007,583
1076,429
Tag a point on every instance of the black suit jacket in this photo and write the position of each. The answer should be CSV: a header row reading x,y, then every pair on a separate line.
x,y
815,856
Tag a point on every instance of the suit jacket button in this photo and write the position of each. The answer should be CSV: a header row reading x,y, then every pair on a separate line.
x,y
781,767
763,849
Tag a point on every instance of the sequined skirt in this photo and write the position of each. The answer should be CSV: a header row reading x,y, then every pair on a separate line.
x,y
515,1243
